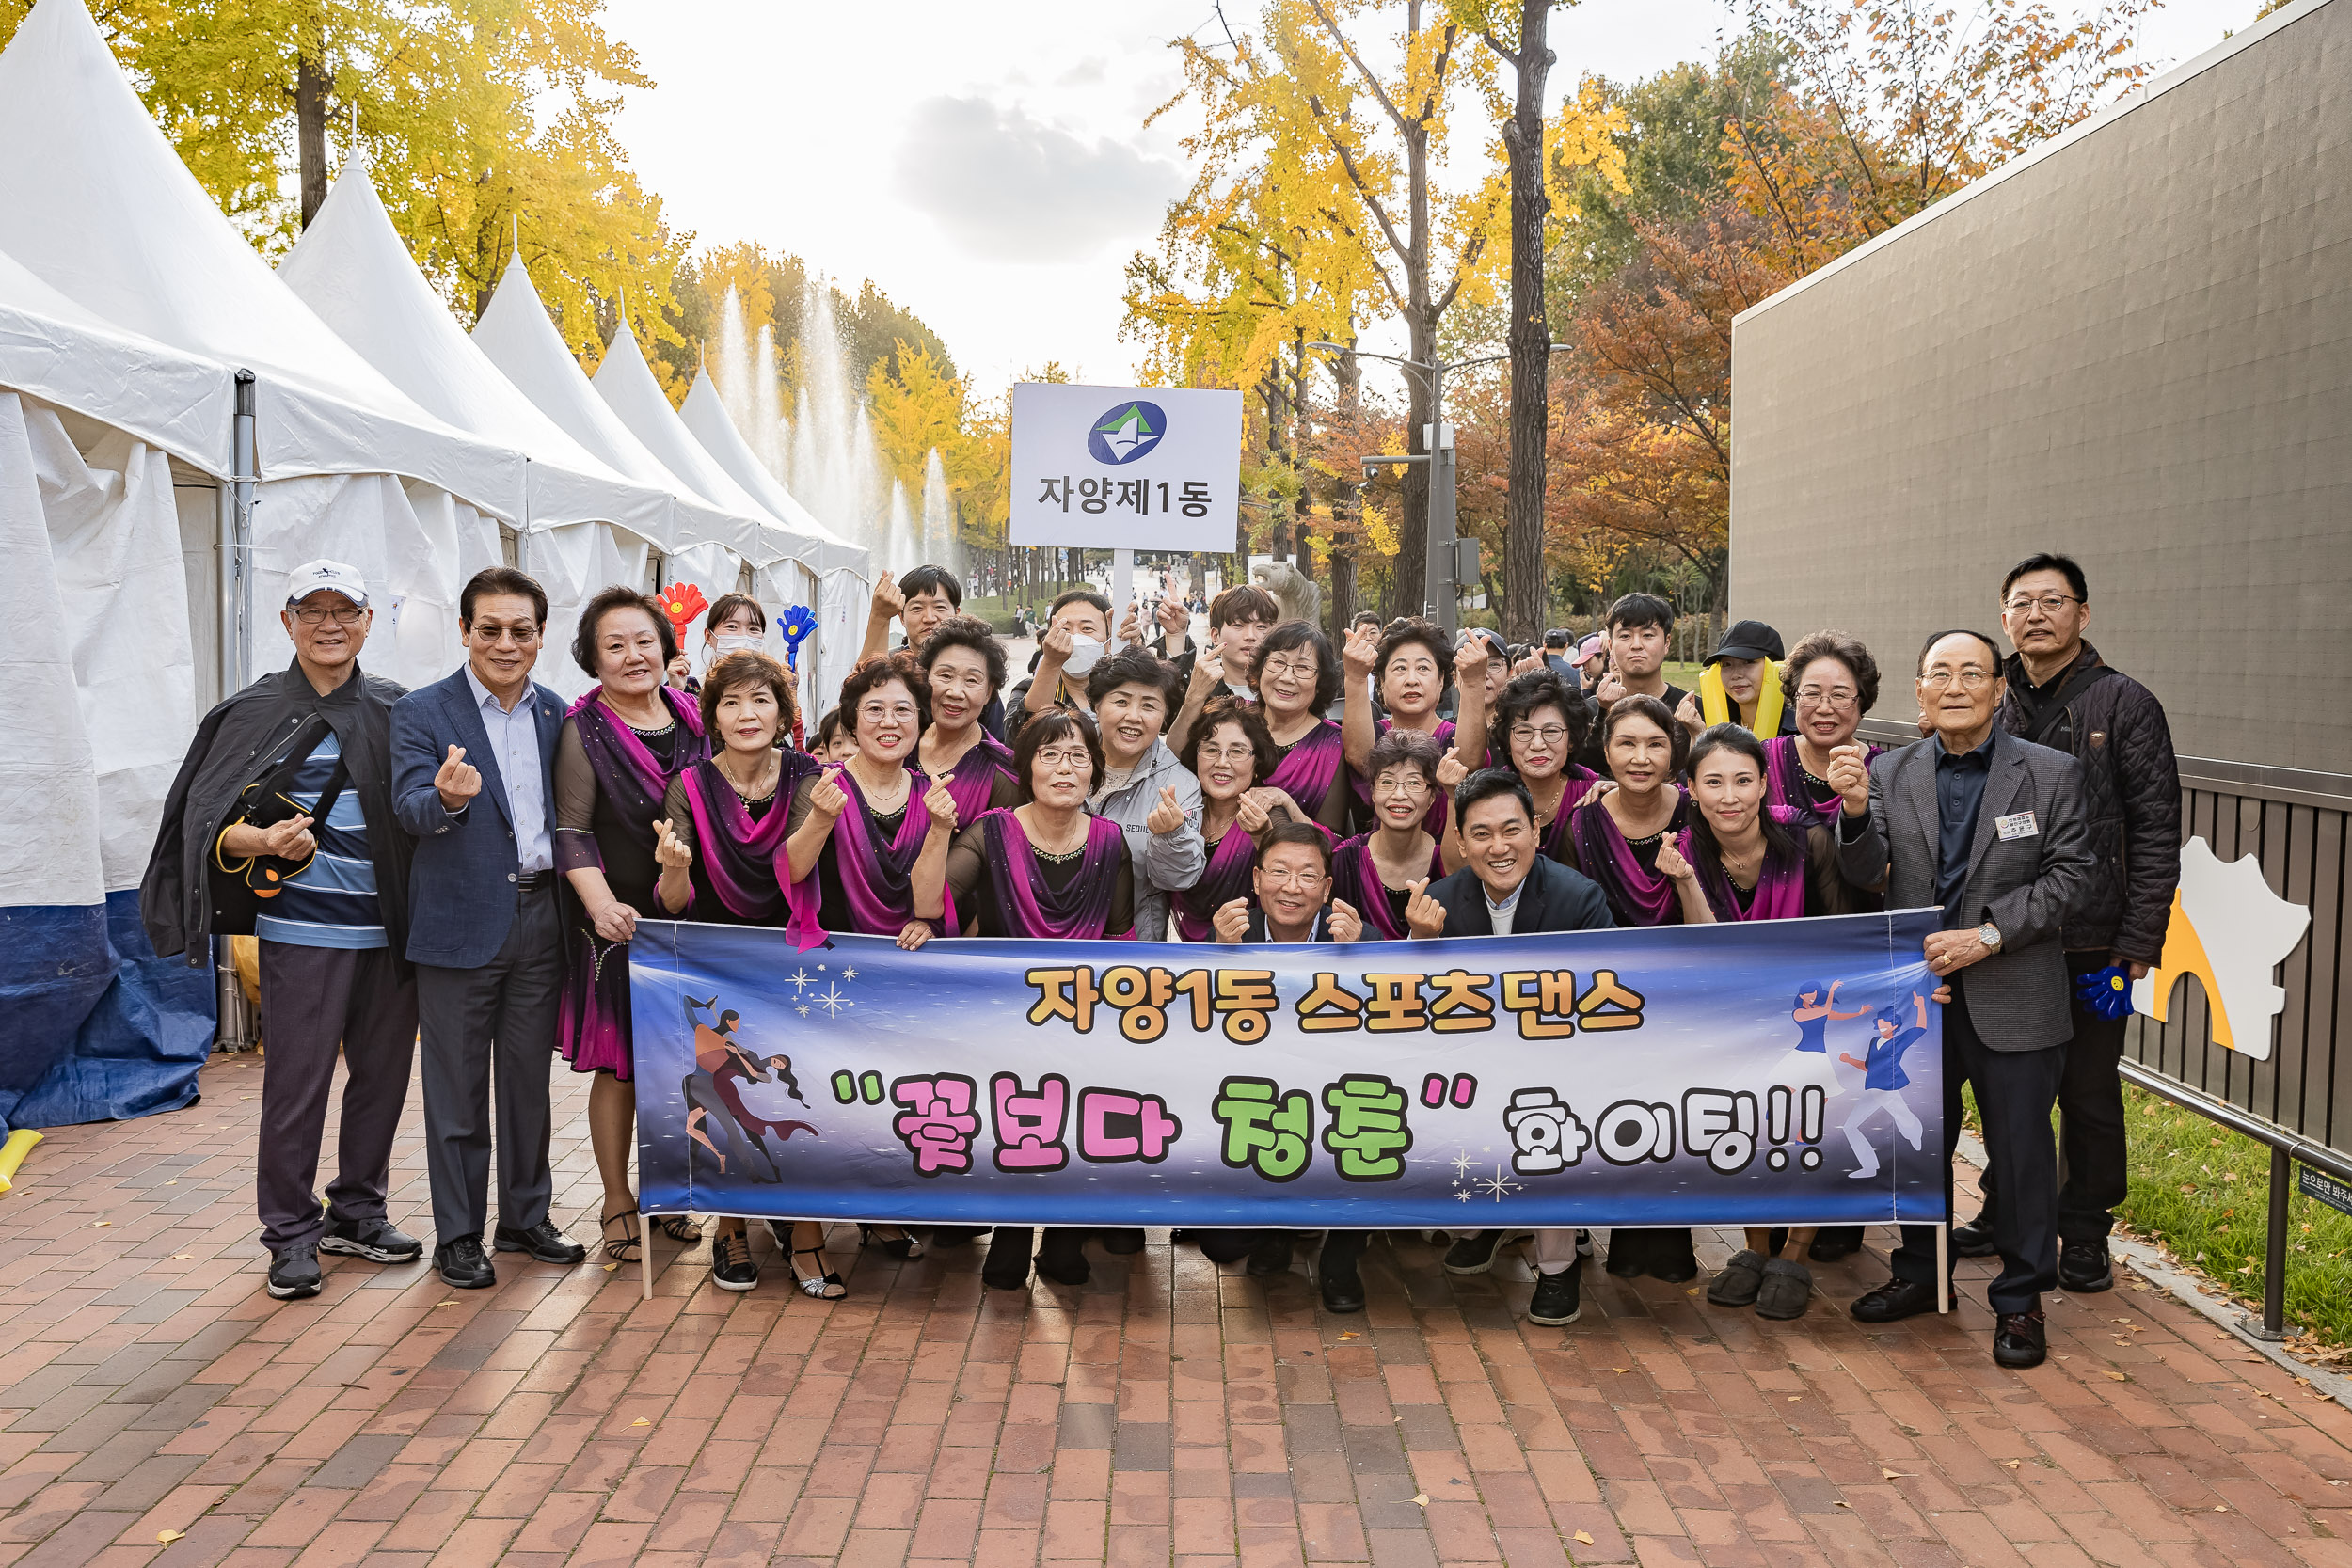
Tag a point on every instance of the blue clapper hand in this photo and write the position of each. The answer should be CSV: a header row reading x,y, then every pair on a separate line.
x,y
2106,992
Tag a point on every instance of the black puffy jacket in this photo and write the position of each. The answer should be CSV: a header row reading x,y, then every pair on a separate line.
x,y
2115,727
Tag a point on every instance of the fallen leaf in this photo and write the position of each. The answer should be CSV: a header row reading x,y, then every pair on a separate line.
x,y
168,1536
610,1267
1843,1503
174,1182
641,1421
1794,1397
1620,1368
2013,1464
1585,1538
1347,1335
182,1256
1896,1475
2118,1377
2222,1508
1421,1497
101,1224
444,1303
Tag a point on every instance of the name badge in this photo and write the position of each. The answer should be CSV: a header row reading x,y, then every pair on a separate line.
x,y
2019,825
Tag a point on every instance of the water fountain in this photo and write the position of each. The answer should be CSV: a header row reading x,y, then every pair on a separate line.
x,y
900,546
938,540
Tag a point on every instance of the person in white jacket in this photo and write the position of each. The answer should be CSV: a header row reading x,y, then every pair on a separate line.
x,y
1149,793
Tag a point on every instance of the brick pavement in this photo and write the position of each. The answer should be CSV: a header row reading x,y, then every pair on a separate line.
x,y
1166,1413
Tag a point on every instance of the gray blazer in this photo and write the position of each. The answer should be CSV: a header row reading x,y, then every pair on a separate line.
x,y
2018,998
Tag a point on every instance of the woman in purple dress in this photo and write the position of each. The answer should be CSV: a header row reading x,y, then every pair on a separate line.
x,y
964,665
1542,725
1373,872
1046,870
1228,751
857,827
621,746
719,841
1409,667
1295,679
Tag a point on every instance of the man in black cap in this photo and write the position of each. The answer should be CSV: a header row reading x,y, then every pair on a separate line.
x,y
1741,684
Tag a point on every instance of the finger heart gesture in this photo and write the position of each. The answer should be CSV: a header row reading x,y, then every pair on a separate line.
x,y
1169,815
669,850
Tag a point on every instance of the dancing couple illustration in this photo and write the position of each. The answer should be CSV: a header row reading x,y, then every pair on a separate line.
x,y
1877,1079
714,1096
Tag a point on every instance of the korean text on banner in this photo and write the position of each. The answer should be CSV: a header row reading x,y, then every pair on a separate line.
x,y
1769,1072
1125,467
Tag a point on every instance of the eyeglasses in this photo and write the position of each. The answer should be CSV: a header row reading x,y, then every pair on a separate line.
x,y
1550,734
1240,751
1076,761
521,637
2049,603
319,614
1291,878
1298,670
1825,696
1970,679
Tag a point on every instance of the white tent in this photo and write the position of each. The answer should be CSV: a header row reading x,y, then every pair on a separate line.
x,y
626,384
705,415
94,202
351,268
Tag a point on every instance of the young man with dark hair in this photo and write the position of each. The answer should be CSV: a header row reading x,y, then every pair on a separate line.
x,y
334,964
1636,627
921,600
1239,618
2061,695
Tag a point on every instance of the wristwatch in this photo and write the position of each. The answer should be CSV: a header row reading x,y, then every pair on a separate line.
x,y
1990,935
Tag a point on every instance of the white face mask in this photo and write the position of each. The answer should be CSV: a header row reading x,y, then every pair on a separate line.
x,y
1085,653
735,642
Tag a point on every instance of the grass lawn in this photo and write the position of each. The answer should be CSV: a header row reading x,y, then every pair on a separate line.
x,y
2202,1193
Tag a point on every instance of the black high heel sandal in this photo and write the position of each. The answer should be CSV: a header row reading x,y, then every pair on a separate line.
x,y
824,1287
904,1246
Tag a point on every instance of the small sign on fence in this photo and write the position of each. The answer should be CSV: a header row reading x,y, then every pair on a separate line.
x,y
2326,1188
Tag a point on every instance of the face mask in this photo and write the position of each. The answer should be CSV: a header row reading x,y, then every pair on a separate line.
x,y
735,643
1085,653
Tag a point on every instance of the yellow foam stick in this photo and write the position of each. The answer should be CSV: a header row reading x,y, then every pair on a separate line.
x,y
12,1154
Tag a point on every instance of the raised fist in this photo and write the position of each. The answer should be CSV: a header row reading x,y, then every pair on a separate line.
x,y
1849,775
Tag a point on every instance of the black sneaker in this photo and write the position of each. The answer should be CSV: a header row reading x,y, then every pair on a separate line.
x,y
293,1271
2085,1267
1894,1301
731,1265
1474,1253
1558,1297
1271,1256
543,1242
1342,1289
1975,1239
463,1264
1833,1241
375,1240
2020,1340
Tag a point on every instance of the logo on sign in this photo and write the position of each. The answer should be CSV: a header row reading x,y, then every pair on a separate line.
x,y
1127,432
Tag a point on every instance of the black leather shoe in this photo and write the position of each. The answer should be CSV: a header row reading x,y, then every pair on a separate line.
x,y
1833,1241
1271,1256
2019,1340
1123,1243
1006,1265
1675,1259
1062,1259
1556,1301
2085,1266
1894,1301
955,1235
293,1271
1629,1251
1975,1239
1475,1253
377,1241
543,1242
1342,1289
463,1264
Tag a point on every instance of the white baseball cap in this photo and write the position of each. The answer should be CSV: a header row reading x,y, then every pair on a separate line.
x,y
309,578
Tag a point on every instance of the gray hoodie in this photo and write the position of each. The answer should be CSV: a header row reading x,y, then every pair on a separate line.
x,y
1163,864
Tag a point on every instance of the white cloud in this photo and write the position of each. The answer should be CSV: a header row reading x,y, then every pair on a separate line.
x,y
1007,187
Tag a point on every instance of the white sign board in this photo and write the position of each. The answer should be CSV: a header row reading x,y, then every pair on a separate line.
x,y
1125,467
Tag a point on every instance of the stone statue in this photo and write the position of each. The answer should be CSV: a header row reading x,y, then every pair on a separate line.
x,y
1296,594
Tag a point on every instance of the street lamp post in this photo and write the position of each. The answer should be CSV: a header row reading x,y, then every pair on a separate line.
x,y
1447,566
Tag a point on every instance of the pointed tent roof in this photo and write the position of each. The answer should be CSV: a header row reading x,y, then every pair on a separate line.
x,y
350,268
94,202
704,415
516,335
626,383
60,353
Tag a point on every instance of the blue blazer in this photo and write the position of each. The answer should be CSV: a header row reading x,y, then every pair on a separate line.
x,y
461,886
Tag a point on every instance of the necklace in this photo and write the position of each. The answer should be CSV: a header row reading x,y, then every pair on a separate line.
x,y
747,796
877,799
650,733
1038,844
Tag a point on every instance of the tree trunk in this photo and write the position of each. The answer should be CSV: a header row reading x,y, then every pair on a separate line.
x,y
1346,501
311,84
1524,602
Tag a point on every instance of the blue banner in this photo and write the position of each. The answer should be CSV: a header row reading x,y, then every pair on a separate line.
x,y
1771,1072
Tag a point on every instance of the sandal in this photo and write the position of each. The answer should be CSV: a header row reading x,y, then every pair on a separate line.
x,y
902,1246
824,1287
678,1227
629,1247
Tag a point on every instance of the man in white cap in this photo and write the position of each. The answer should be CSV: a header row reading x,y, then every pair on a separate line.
x,y
281,827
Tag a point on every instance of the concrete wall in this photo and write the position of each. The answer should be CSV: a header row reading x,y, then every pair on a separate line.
x,y
2134,347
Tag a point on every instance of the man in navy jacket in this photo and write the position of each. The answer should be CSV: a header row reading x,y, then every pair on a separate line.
x,y
473,778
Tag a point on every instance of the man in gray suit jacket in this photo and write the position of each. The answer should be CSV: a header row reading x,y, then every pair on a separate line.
x,y
1991,829
473,778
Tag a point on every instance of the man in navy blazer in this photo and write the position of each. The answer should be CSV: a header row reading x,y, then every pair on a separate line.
x,y
473,779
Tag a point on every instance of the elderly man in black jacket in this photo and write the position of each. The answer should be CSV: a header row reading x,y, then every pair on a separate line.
x,y
280,826
1991,829
2062,694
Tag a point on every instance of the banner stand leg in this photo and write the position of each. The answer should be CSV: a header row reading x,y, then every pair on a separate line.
x,y
1123,594
644,1258
1943,1266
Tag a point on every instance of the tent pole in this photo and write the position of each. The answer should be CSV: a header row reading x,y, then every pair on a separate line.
x,y
239,562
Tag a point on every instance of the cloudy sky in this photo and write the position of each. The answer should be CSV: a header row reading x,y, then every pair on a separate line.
x,y
987,166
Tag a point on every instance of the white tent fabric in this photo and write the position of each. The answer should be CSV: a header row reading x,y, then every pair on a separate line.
x,y
572,564
94,202
704,415
840,633
626,383
63,353
351,268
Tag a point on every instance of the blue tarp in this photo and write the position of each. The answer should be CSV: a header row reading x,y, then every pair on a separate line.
x,y
94,1025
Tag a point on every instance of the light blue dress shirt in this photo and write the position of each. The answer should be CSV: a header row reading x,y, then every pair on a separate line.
x,y
514,742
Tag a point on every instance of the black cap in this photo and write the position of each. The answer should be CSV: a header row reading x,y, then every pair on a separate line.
x,y
1749,639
